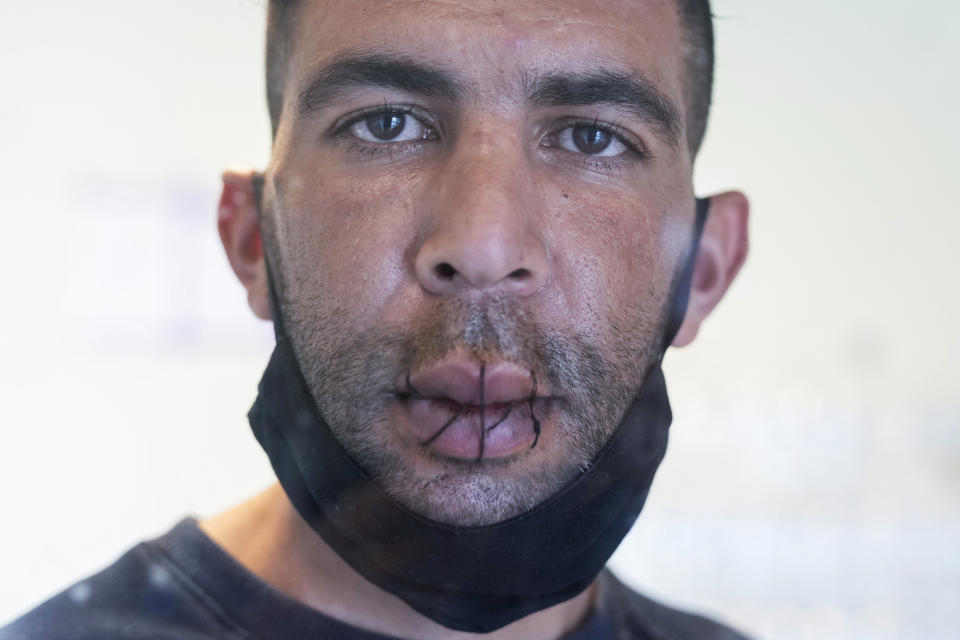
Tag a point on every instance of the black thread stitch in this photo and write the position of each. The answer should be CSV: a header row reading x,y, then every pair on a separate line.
x,y
483,409
449,422
505,415
412,390
416,394
533,416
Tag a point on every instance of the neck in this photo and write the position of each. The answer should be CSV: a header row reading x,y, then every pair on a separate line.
x,y
268,537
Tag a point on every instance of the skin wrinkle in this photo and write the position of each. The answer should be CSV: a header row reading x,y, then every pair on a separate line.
x,y
627,16
467,8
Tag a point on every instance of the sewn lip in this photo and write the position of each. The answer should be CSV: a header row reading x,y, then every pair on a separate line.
x,y
469,432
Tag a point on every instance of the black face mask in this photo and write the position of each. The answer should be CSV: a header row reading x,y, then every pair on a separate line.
x,y
475,579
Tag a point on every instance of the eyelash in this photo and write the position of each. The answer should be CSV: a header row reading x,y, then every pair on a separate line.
x,y
606,165
340,131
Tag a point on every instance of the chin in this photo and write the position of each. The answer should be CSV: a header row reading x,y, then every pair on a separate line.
x,y
471,500
476,494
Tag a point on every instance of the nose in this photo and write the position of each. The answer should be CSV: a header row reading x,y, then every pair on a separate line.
x,y
485,227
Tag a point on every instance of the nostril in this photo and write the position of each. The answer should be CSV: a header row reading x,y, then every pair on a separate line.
x,y
520,274
445,271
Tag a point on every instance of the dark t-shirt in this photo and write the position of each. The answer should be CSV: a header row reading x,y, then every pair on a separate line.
x,y
183,586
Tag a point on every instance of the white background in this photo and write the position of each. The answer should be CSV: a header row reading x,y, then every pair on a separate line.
x,y
812,489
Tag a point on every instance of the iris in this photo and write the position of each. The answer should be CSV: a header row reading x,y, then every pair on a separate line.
x,y
386,125
591,139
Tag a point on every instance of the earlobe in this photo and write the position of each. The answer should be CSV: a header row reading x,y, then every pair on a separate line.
x,y
722,251
239,226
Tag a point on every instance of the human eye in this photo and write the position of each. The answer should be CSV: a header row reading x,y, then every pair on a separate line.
x,y
591,140
594,139
387,124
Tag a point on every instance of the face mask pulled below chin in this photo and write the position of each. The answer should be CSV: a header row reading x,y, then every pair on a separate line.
x,y
475,579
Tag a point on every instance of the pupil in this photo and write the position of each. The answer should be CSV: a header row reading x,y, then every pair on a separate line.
x,y
590,139
386,126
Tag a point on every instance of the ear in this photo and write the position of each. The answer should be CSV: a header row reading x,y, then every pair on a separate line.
x,y
239,225
722,251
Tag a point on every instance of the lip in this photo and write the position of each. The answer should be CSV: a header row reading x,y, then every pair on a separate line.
x,y
466,409
471,382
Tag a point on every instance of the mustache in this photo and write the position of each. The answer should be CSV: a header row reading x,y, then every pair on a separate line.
x,y
486,330
489,330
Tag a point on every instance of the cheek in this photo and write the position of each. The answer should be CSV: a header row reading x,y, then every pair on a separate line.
x,y
346,244
609,263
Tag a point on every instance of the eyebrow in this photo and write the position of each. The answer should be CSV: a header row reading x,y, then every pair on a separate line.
x,y
374,70
633,92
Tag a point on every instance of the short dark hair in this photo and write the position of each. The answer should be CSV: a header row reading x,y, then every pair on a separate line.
x,y
695,17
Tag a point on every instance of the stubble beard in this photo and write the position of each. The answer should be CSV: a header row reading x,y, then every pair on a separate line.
x,y
348,372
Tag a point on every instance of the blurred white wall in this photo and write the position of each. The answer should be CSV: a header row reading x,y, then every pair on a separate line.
x,y
812,489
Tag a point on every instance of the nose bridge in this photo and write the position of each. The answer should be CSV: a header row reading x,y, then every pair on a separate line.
x,y
486,232
487,187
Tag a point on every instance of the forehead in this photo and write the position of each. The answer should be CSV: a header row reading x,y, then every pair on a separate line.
x,y
494,45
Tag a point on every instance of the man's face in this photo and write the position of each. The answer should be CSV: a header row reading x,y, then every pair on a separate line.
x,y
474,212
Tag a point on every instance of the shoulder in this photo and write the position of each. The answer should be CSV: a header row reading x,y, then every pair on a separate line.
x,y
141,595
650,619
